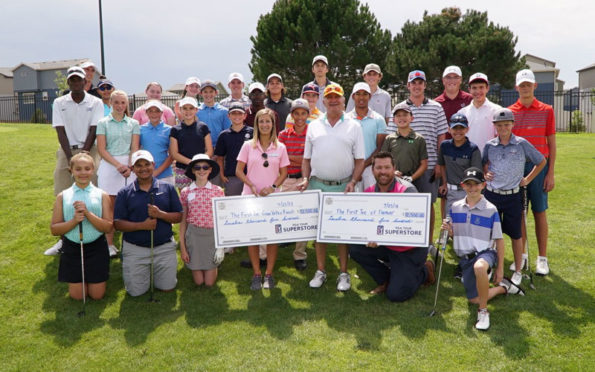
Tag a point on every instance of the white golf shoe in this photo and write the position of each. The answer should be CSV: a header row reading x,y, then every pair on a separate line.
x,y
343,282
318,280
54,249
517,278
542,267
483,320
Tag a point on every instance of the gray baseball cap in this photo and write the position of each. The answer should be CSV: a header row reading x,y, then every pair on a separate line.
x,y
503,115
402,106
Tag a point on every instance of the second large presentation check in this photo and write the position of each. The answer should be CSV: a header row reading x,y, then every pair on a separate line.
x,y
384,218
276,218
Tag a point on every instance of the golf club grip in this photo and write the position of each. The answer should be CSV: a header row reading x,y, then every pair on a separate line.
x,y
525,199
81,231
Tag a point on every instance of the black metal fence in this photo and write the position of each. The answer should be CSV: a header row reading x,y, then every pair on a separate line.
x,y
573,108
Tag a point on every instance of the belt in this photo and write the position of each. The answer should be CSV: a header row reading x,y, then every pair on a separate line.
x,y
76,147
295,175
453,187
331,183
504,192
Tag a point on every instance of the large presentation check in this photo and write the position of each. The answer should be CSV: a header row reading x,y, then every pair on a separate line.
x,y
276,218
385,218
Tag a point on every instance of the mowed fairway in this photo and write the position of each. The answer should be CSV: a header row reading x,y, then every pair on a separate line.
x,y
292,327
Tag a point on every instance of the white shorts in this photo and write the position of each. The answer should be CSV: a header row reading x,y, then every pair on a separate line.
x,y
108,177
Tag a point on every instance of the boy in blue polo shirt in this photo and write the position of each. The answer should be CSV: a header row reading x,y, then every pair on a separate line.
x,y
475,229
504,160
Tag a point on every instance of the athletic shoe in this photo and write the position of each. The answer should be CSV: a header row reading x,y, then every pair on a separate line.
x,y
433,252
228,250
54,249
269,282
256,283
517,278
318,280
523,263
483,320
511,288
343,282
542,267
300,265
113,251
431,278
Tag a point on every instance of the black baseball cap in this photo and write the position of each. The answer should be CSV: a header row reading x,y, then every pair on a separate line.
x,y
473,174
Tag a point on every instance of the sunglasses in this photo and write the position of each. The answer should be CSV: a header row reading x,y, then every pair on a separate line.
x,y
105,87
203,167
265,157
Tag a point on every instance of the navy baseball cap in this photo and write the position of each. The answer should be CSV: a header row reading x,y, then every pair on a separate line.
x,y
458,120
310,88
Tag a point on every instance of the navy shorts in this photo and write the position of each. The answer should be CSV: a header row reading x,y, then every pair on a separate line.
x,y
490,256
510,209
537,196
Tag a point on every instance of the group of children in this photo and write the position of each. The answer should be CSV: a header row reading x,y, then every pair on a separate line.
x,y
259,160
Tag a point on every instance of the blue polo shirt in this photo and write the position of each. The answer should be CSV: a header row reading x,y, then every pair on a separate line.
x,y
229,144
191,139
216,119
131,205
458,159
155,139
507,162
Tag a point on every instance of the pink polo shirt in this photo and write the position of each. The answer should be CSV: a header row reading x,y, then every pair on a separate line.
x,y
141,116
258,174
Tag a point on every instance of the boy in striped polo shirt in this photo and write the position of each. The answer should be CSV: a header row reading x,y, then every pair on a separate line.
x,y
535,121
475,229
430,122
294,139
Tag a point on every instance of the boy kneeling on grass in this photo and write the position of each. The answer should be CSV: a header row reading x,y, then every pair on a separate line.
x,y
475,228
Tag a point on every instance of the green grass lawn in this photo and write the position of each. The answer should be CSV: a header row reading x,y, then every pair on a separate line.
x,y
292,327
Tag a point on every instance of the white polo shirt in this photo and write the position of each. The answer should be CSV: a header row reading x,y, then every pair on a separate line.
x,y
481,128
76,118
333,149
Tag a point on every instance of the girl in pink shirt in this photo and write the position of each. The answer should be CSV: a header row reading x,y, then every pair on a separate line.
x,y
266,159
154,91
197,241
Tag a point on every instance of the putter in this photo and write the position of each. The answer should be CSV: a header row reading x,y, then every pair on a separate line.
x,y
151,298
444,239
82,312
525,210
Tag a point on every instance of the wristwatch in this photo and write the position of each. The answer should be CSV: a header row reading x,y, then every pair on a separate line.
x,y
274,186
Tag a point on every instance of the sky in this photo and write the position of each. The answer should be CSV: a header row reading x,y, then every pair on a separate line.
x,y
168,41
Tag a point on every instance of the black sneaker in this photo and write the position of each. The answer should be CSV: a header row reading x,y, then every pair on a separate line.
x,y
300,265
256,283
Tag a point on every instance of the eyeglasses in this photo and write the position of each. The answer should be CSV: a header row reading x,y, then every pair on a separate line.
x,y
105,87
203,167
265,157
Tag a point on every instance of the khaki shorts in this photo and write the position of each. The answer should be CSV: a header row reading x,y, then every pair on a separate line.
x,y
62,177
136,267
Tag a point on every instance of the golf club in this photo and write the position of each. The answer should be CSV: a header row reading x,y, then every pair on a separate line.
x,y
151,298
443,241
82,312
525,210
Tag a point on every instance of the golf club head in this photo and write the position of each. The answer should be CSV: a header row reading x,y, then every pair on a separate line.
x,y
154,300
81,313
432,313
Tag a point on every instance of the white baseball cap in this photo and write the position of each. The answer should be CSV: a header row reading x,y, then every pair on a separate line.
x,y
479,76
256,85
75,71
235,75
274,76
189,101
319,57
192,80
153,103
141,154
452,70
525,75
361,86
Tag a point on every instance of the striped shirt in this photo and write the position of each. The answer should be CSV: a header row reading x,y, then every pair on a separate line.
x,y
474,228
295,145
91,196
313,116
534,123
118,134
430,122
227,101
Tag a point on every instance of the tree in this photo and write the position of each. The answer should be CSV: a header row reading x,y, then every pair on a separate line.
x,y
61,83
469,41
288,37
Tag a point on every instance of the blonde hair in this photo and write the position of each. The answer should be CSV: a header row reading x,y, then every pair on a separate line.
x,y
259,114
80,156
123,94
155,84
